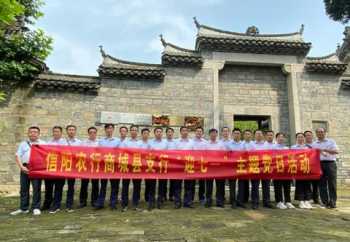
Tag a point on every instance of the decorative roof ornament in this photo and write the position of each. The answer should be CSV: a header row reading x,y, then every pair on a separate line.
x,y
198,25
252,30
164,43
301,31
103,53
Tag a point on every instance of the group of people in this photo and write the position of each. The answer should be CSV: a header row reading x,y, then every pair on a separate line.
x,y
158,191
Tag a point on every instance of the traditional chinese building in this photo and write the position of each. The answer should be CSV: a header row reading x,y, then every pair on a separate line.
x,y
227,77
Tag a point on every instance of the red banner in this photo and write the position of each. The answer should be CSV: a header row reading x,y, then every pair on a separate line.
x,y
48,161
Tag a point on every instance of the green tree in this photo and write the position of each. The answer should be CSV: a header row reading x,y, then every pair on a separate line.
x,y
23,50
338,10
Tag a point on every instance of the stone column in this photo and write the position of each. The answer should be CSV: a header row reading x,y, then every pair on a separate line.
x,y
216,66
293,73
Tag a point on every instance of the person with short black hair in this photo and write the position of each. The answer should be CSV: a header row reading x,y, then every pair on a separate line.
x,y
158,143
235,145
328,155
54,190
71,140
184,143
302,187
169,132
90,142
132,142
22,160
108,141
214,144
145,144
282,187
199,143
243,185
315,184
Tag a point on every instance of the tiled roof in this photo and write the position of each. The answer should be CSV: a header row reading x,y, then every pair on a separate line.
x,y
209,38
56,81
325,64
177,56
113,67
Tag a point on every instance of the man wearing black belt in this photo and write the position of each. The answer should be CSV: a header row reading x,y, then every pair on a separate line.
x,y
328,181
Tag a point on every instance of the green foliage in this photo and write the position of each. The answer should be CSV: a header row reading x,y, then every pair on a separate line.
x,y
21,54
243,125
9,9
23,50
338,10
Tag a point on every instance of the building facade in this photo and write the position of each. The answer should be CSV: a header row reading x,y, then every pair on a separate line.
x,y
227,77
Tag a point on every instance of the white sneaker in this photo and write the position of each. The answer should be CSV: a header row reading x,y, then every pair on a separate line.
x,y
302,205
308,205
36,212
289,205
280,205
19,211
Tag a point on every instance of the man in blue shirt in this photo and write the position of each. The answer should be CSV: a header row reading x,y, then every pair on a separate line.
x,y
214,144
199,143
145,144
169,132
156,144
57,186
22,160
235,145
132,142
71,141
184,143
243,185
53,184
108,141
90,142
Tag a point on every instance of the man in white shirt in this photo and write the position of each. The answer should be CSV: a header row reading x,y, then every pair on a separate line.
x,y
158,143
214,144
132,142
145,144
282,187
328,155
112,142
169,132
235,145
90,142
265,183
71,141
199,143
243,185
184,143
53,203
315,184
22,160
50,183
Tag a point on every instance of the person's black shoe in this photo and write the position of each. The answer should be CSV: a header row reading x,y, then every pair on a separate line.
x,y
220,205
83,205
98,207
150,207
316,201
241,205
189,206
177,206
255,206
207,205
268,205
